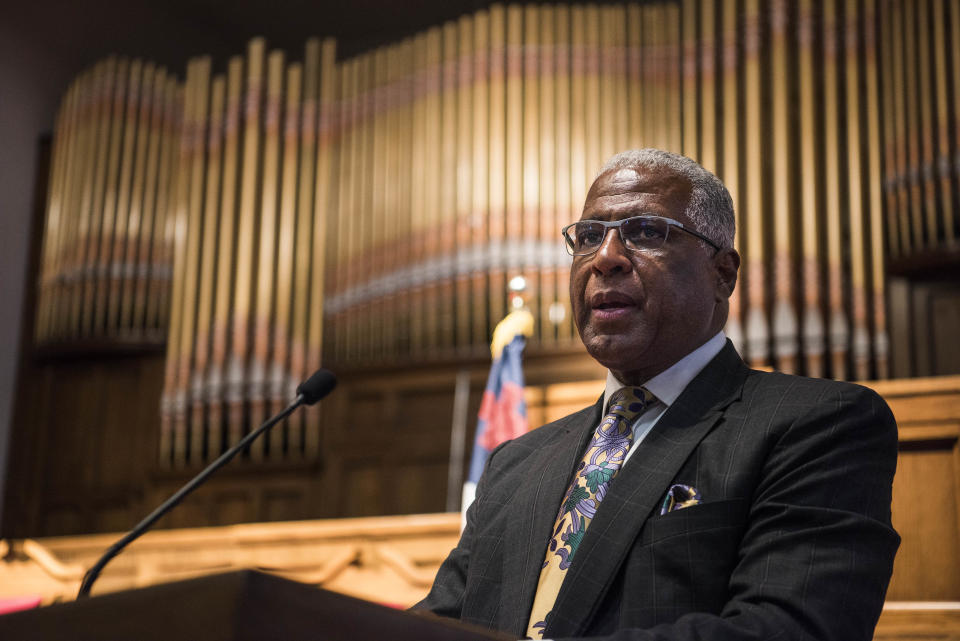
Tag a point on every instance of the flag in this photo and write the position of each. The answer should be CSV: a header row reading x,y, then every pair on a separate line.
x,y
503,412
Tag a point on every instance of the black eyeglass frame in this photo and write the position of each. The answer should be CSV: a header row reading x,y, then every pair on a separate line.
x,y
617,224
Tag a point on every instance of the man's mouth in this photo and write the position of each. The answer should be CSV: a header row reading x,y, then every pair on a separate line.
x,y
611,300
611,304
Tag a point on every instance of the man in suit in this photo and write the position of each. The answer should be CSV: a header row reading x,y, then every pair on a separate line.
x,y
712,501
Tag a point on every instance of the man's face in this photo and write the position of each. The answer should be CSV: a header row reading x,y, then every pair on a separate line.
x,y
640,312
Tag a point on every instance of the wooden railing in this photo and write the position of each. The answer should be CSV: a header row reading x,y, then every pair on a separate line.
x,y
393,559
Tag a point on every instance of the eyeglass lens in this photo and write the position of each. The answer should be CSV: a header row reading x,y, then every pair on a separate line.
x,y
640,234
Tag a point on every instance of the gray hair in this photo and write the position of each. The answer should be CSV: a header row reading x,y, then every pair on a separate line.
x,y
710,207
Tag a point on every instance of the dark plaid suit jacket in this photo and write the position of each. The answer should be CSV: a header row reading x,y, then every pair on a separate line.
x,y
792,541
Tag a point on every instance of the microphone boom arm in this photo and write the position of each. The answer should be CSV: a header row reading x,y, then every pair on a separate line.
x,y
171,502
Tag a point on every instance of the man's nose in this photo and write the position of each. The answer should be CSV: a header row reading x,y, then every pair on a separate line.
x,y
612,256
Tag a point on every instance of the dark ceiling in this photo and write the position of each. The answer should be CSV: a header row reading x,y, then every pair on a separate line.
x,y
169,32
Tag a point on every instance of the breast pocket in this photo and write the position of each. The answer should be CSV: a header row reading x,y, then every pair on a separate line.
x,y
729,514
682,560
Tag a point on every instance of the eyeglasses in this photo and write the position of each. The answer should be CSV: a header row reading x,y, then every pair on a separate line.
x,y
637,233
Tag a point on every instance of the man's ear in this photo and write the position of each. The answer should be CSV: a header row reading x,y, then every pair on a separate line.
x,y
727,263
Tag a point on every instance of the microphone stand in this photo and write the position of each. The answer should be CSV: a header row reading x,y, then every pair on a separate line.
x,y
171,502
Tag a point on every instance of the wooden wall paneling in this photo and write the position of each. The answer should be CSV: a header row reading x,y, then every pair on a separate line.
x,y
124,438
901,343
930,454
924,350
934,309
945,313
80,456
28,437
386,559
929,457
918,621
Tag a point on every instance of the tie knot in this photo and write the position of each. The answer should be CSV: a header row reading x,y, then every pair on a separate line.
x,y
630,402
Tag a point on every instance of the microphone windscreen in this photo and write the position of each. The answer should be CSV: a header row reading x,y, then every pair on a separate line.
x,y
320,383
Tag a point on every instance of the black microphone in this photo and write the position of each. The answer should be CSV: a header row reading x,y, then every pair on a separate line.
x,y
309,392
320,383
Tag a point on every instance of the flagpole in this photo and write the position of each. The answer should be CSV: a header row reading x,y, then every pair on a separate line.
x,y
503,412
458,440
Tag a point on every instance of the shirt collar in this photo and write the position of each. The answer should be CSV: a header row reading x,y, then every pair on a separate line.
x,y
668,384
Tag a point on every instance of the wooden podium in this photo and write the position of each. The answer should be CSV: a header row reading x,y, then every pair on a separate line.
x,y
238,606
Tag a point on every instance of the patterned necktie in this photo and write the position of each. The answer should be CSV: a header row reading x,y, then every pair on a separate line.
x,y
600,463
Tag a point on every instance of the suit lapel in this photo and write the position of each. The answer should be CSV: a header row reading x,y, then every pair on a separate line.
x,y
639,487
534,511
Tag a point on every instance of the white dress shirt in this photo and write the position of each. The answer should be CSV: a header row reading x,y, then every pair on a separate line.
x,y
666,386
